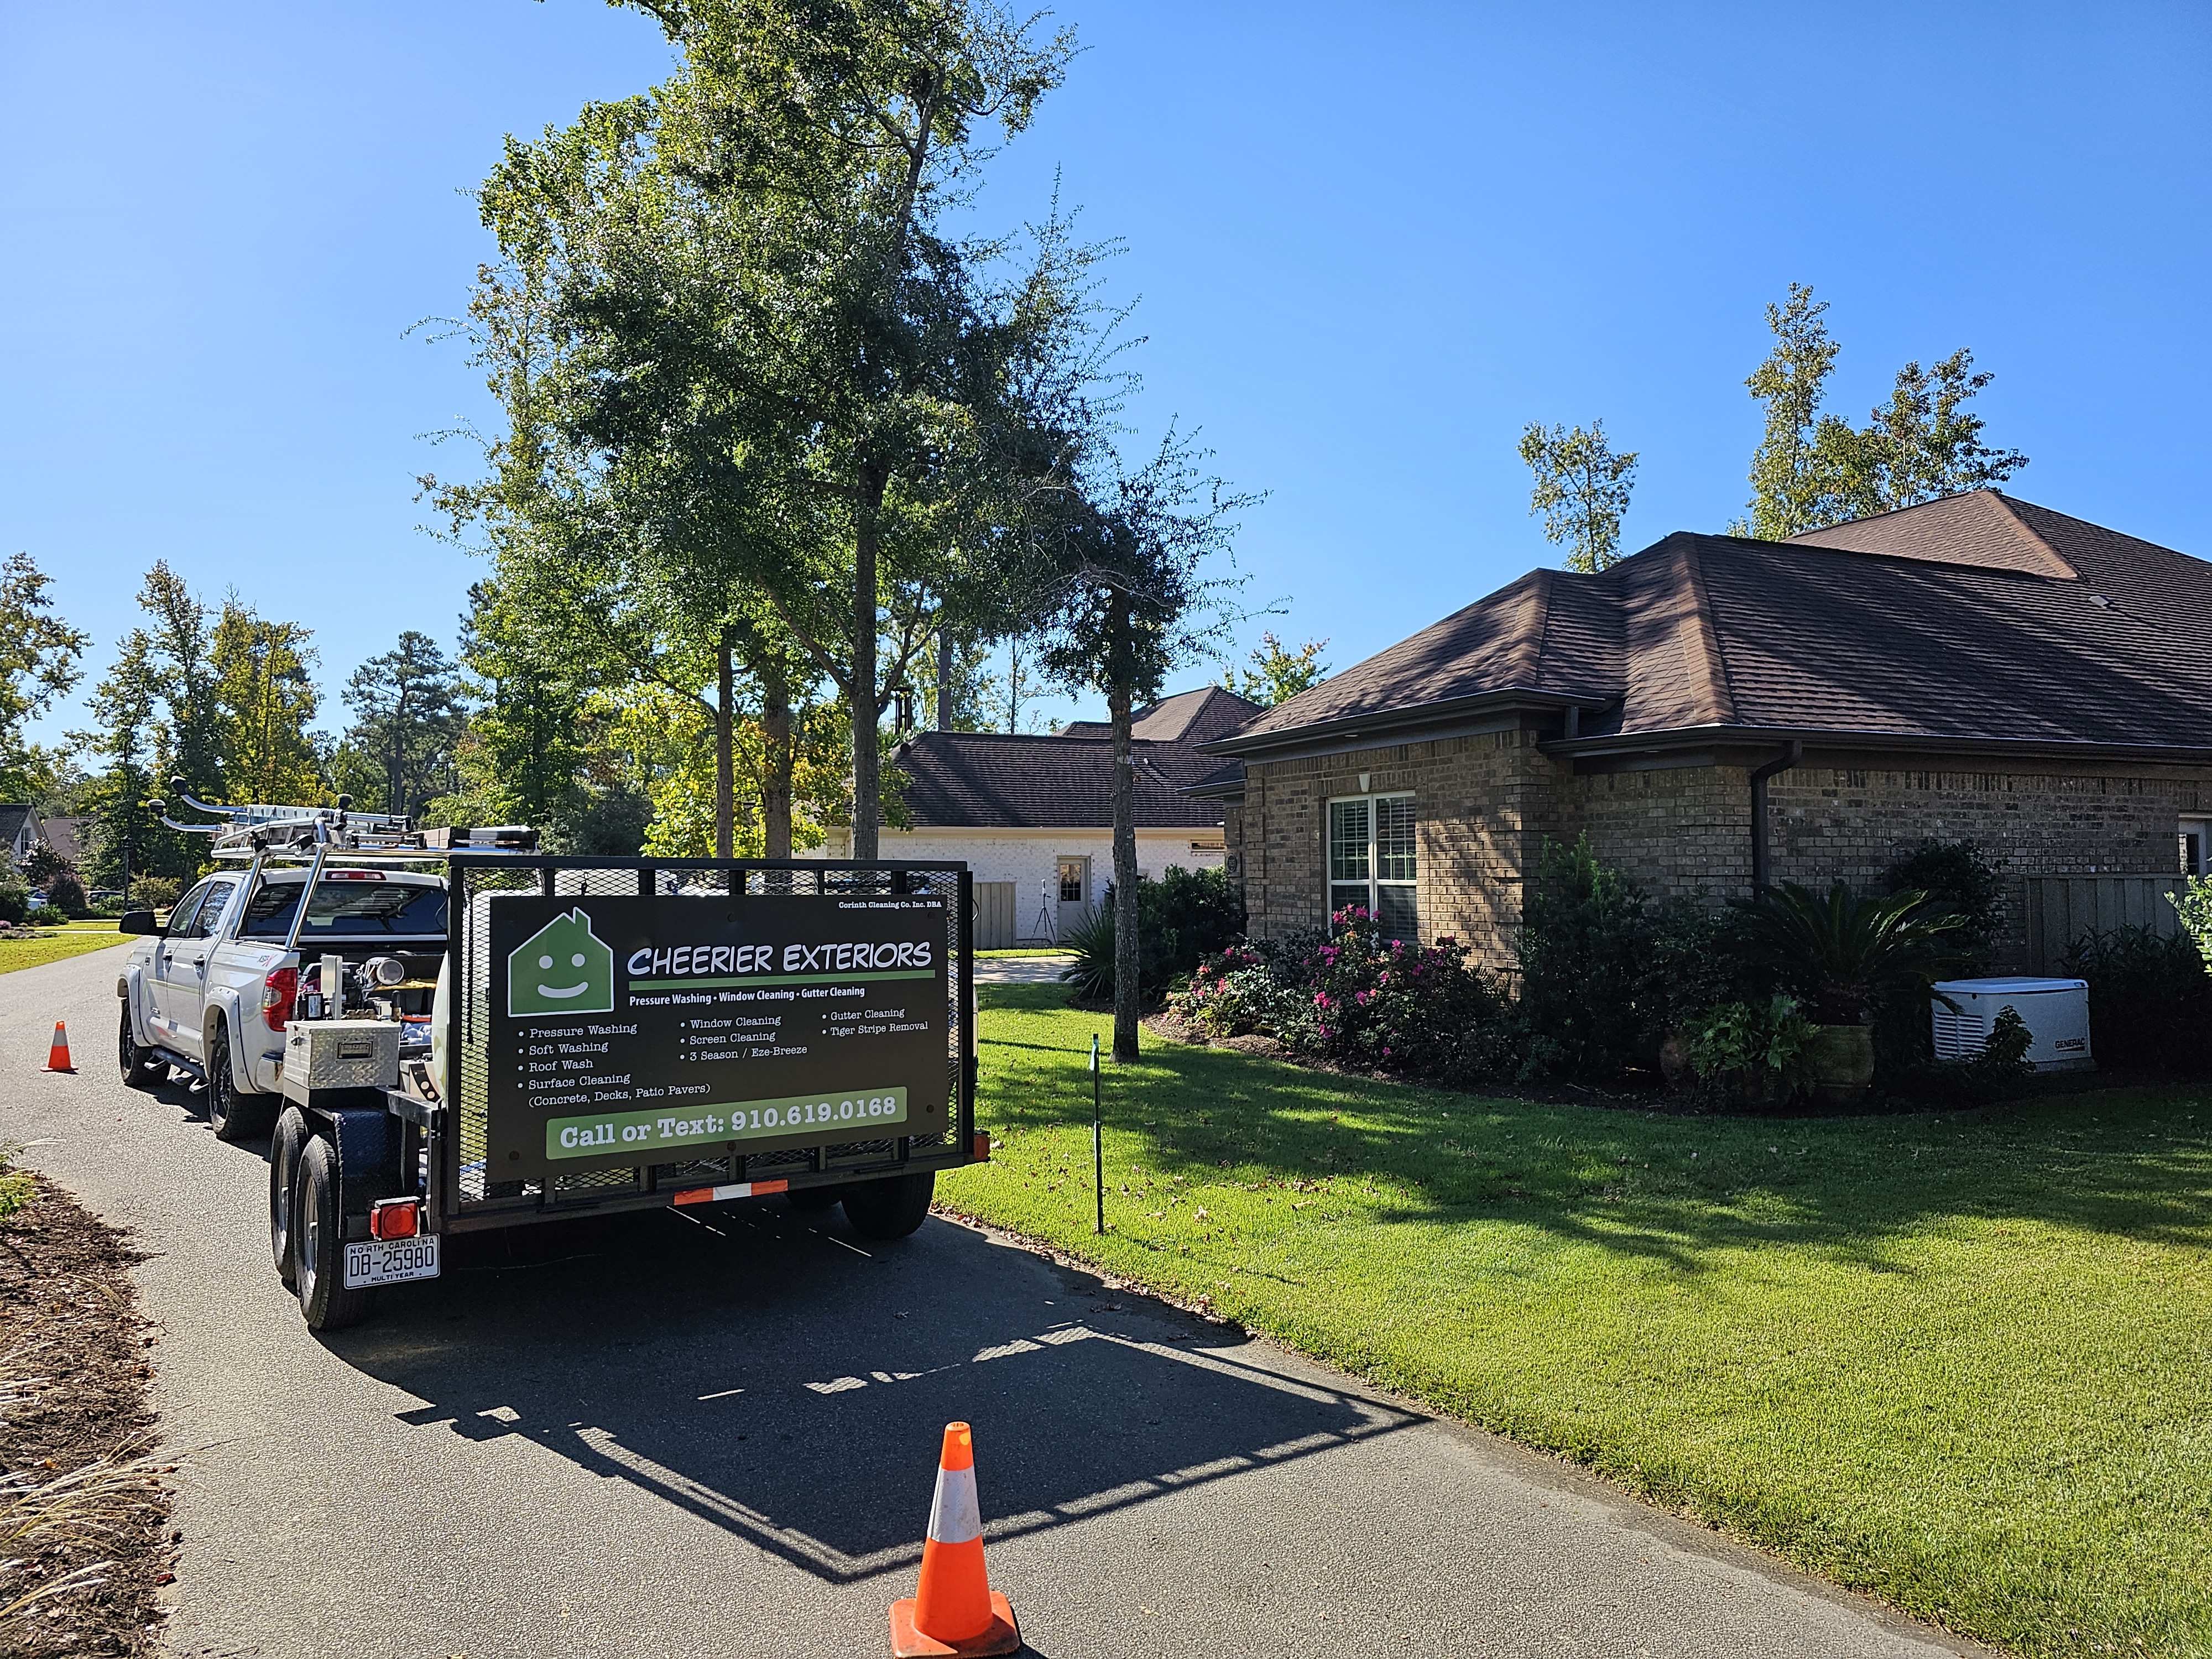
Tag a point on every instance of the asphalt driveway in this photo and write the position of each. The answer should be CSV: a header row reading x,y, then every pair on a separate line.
x,y
714,1434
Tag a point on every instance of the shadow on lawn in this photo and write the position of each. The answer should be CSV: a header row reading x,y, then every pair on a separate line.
x,y
1849,1186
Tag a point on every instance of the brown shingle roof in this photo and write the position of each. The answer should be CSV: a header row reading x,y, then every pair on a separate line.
x,y
1199,716
989,781
1976,618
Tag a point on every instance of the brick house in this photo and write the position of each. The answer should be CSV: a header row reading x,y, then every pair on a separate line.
x,y
1714,710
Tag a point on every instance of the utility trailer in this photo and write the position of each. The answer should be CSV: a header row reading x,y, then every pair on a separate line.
x,y
625,1033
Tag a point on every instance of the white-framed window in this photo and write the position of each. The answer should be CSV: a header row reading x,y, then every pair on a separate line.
x,y
2197,847
1371,861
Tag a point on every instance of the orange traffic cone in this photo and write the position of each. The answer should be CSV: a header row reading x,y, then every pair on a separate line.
x,y
955,1611
58,1058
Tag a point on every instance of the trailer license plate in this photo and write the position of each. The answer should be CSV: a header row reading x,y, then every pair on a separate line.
x,y
379,1261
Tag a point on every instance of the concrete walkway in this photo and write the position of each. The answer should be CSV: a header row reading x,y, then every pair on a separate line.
x,y
1021,970
701,1435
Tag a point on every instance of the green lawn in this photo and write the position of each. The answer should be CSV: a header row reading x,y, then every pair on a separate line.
x,y
1963,1362
71,941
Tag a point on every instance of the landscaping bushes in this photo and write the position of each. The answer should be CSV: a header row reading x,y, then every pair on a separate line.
x,y
1183,918
2150,1000
1348,994
1727,1006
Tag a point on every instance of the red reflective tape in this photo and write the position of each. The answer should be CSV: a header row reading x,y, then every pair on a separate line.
x,y
742,1189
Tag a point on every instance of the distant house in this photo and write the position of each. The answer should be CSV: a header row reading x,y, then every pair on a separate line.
x,y
21,829
1033,816
1714,710
71,838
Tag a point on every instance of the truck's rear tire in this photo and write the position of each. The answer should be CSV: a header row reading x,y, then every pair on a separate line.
x,y
319,1242
233,1116
284,1148
142,1067
891,1207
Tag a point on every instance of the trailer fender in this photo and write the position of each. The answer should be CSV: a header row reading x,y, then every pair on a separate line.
x,y
367,1142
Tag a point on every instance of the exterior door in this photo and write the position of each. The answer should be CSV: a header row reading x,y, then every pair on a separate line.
x,y
171,956
184,961
1076,899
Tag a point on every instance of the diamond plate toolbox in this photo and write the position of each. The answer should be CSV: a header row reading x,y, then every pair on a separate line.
x,y
341,1053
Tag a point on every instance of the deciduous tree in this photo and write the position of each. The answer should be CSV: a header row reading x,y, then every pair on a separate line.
x,y
39,655
1278,673
1813,469
1582,489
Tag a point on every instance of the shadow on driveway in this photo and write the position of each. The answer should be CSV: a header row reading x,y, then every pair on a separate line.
x,y
772,1373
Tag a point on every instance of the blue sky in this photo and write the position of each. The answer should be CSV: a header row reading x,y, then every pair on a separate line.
x,y
1371,244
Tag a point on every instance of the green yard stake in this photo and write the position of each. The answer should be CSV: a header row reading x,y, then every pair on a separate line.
x,y
1097,1135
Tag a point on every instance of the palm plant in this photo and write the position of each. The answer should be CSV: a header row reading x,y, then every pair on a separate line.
x,y
1843,953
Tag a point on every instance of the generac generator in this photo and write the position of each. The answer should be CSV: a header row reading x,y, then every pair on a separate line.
x,y
2055,1011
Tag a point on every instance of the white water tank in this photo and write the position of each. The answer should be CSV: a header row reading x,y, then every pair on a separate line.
x,y
2055,1010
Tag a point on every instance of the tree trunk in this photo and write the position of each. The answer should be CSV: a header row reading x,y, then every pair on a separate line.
x,y
725,743
777,763
1125,877
944,676
867,765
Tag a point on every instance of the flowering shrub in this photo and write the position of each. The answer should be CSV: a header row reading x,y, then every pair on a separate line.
x,y
1349,994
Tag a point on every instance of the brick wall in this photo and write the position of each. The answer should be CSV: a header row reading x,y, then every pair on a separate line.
x,y
1478,802
1484,804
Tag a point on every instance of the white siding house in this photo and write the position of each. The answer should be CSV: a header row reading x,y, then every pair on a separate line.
x,y
1032,816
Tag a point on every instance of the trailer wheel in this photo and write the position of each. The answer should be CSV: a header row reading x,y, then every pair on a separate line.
x,y
142,1067
816,1198
319,1242
284,1147
891,1207
233,1116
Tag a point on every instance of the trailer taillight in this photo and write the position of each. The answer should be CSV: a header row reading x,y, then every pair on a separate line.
x,y
395,1218
278,992
983,1145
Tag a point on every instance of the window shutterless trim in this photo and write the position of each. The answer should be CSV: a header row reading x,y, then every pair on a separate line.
x,y
1390,848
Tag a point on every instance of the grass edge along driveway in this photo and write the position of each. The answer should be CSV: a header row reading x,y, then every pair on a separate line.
x,y
75,942
1962,1362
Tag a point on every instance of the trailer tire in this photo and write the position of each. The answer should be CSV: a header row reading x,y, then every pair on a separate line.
x,y
891,1207
142,1067
318,1242
815,1199
284,1149
233,1116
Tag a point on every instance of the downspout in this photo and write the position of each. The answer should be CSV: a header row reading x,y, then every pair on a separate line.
x,y
1759,775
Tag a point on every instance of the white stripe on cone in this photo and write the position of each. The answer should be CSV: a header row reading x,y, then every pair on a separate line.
x,y
954,1516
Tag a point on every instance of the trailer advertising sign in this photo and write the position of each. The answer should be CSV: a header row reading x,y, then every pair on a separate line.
x,y
648,1030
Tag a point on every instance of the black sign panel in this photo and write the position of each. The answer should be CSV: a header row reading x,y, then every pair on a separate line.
x,y
653,1030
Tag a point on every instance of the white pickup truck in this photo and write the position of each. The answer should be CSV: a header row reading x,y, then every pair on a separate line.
x,y
210,995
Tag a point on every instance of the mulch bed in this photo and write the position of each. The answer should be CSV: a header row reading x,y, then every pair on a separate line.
x,y
75,1362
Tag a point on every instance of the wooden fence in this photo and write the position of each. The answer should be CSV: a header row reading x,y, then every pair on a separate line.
x,y
994,915
2061,909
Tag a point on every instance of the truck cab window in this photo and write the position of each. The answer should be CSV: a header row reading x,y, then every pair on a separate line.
x,y
349,909
183,912
213,904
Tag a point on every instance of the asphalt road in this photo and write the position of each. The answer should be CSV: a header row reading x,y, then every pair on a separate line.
x,y
717,1436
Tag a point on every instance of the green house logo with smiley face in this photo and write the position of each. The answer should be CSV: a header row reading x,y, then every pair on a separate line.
x,y
561,968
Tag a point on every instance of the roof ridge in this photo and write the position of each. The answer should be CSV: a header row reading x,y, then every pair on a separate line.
x,y
2013,515
1708,669
1526,662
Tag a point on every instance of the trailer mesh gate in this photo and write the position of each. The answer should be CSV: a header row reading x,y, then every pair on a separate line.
x,y
474,885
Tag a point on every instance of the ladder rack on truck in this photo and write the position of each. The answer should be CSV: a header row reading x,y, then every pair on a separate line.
x,y
617,1034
